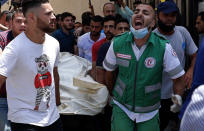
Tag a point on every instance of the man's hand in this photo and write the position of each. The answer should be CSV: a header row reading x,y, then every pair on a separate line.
x,y
77,32
58,102
188,77
177,100
121,3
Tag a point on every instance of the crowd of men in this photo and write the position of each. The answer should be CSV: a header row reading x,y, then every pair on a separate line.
x,y
140,55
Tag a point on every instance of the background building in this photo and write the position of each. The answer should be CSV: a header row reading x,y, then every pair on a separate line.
x,y
188,9
77,7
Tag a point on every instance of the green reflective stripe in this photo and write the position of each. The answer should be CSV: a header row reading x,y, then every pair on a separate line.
x,y
152,88
121,83
110,66
122,62
145,109
175,71
119,90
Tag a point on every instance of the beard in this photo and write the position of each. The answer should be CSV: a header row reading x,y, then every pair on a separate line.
x,y
67,28
109,35
164,27
45,27
93,33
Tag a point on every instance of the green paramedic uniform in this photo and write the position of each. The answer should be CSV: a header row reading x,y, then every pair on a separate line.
x,y
138,83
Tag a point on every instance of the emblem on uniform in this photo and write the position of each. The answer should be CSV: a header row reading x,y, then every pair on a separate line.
x,y
173,52
150,62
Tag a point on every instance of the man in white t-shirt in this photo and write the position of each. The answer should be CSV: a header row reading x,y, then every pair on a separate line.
x,y
29,66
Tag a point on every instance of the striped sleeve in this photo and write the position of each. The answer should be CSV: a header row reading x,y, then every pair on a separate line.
x,y
171,63
193,119
109,62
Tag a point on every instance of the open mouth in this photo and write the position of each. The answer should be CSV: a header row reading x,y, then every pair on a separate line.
x,y
138,24
22,29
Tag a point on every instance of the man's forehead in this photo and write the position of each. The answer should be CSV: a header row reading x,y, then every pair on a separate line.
x,y
95,23
19,15
110,21
199,18
69,17
122,24
108,6
144,7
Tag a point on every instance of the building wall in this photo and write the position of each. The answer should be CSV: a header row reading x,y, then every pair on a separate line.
x,y
77,7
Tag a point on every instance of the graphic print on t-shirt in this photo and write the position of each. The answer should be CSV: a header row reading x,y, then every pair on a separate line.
x,y
43,81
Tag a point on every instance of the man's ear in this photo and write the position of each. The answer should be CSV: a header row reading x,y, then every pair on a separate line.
x,y
31,17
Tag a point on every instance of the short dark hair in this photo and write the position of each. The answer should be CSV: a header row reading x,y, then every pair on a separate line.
x,y
9,16
28,4
66,14
108,18
122,20
4,12
201,14
77,22
18,10
74,17
86,18
58,17
137,2
97,18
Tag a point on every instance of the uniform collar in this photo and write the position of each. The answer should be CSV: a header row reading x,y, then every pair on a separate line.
x,y
151,39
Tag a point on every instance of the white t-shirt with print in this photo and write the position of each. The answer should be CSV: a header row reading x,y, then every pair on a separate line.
x,y
28,67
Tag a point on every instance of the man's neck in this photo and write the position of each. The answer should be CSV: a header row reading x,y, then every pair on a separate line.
x,y
141,42
35,36
165,33
65,31
95,38
13,34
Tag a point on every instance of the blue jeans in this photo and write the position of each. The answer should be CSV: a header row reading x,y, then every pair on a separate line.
x,y
4,123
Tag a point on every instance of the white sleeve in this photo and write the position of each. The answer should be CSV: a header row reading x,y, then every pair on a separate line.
x,y
80,47
171,63
109,62
8,60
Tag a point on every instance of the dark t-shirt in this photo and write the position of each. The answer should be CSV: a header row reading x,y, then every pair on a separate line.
x,y
66,42
102,53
